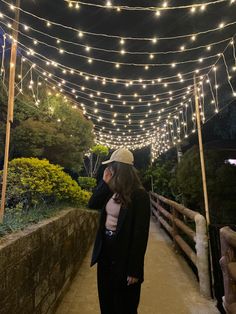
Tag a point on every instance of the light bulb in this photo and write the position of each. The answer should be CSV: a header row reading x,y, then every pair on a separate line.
x,y
154,40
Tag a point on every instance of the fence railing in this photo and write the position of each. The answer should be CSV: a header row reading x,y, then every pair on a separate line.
x,y
174,218
228,266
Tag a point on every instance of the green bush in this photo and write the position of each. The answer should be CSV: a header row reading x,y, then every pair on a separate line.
x,y
32,182
87,183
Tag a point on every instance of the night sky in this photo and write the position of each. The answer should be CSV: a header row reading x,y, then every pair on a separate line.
x,y
125,24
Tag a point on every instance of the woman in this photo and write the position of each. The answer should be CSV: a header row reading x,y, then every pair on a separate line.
x,y
122,236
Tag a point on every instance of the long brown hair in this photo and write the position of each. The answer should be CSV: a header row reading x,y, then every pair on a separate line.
x,y
124,181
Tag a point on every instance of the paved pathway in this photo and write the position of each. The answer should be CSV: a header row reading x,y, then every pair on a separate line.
x,y
170,286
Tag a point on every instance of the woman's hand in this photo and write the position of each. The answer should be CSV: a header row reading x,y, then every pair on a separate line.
x,y
131,280
107,175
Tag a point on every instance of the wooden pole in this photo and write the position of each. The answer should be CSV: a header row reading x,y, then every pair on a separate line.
x,y
204,182
10,111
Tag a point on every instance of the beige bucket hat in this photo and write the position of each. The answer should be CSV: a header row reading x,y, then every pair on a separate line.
x,y
121,155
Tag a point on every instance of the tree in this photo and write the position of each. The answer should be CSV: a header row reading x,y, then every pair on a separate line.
x,y
161,173
94,158
54,130
221,183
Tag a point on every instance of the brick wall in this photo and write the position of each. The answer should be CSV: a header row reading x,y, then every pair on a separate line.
x,y
37,264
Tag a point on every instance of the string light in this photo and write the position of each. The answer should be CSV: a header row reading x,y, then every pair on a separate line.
x,y
117,65
126,38
68,52
165,6
102,111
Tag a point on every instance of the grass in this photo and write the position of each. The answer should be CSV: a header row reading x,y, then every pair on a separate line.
x,y
15,220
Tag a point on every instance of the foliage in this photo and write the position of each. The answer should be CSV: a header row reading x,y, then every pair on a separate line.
x,y
87,183
100,150
161,174
93,160
54,129
15,220
32,182
221,184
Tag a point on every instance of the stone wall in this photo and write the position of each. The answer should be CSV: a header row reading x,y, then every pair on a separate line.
x,y
37,264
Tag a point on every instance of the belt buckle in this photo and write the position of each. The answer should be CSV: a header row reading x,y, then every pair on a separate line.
x,y
110,233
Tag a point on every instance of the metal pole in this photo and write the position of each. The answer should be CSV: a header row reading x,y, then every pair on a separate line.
x,y
10,111
204,183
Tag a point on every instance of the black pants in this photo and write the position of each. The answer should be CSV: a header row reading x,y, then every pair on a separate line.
x,y
115,296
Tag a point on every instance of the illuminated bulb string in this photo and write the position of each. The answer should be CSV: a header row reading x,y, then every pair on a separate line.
x,y
166,119
77,71
153,39
35,97
120,114
165,6
164,126
153,112
175,136
215,101
143,65
228,75
58,40
3,60
148,133
19,85
121,122
117,95
96,97
143,103
158,102
129,82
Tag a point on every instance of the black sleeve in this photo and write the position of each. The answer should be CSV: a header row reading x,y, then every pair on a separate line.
x,y
100,196
139,235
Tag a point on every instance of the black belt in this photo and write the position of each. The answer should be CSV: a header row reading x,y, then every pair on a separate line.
x,y
110,233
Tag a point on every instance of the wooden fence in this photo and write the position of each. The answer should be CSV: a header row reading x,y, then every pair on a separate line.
x,y
228,266
174,217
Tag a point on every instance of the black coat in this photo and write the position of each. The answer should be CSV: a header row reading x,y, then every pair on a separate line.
x,y
131,233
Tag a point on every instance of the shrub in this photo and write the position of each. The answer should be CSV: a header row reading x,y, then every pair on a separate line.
x,y
87,183
32,182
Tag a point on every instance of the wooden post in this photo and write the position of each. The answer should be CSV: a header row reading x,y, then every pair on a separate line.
x,y
175,229
204,183
10,111
152,187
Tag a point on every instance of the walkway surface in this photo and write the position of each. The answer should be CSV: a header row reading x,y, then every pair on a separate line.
x,y
170,286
